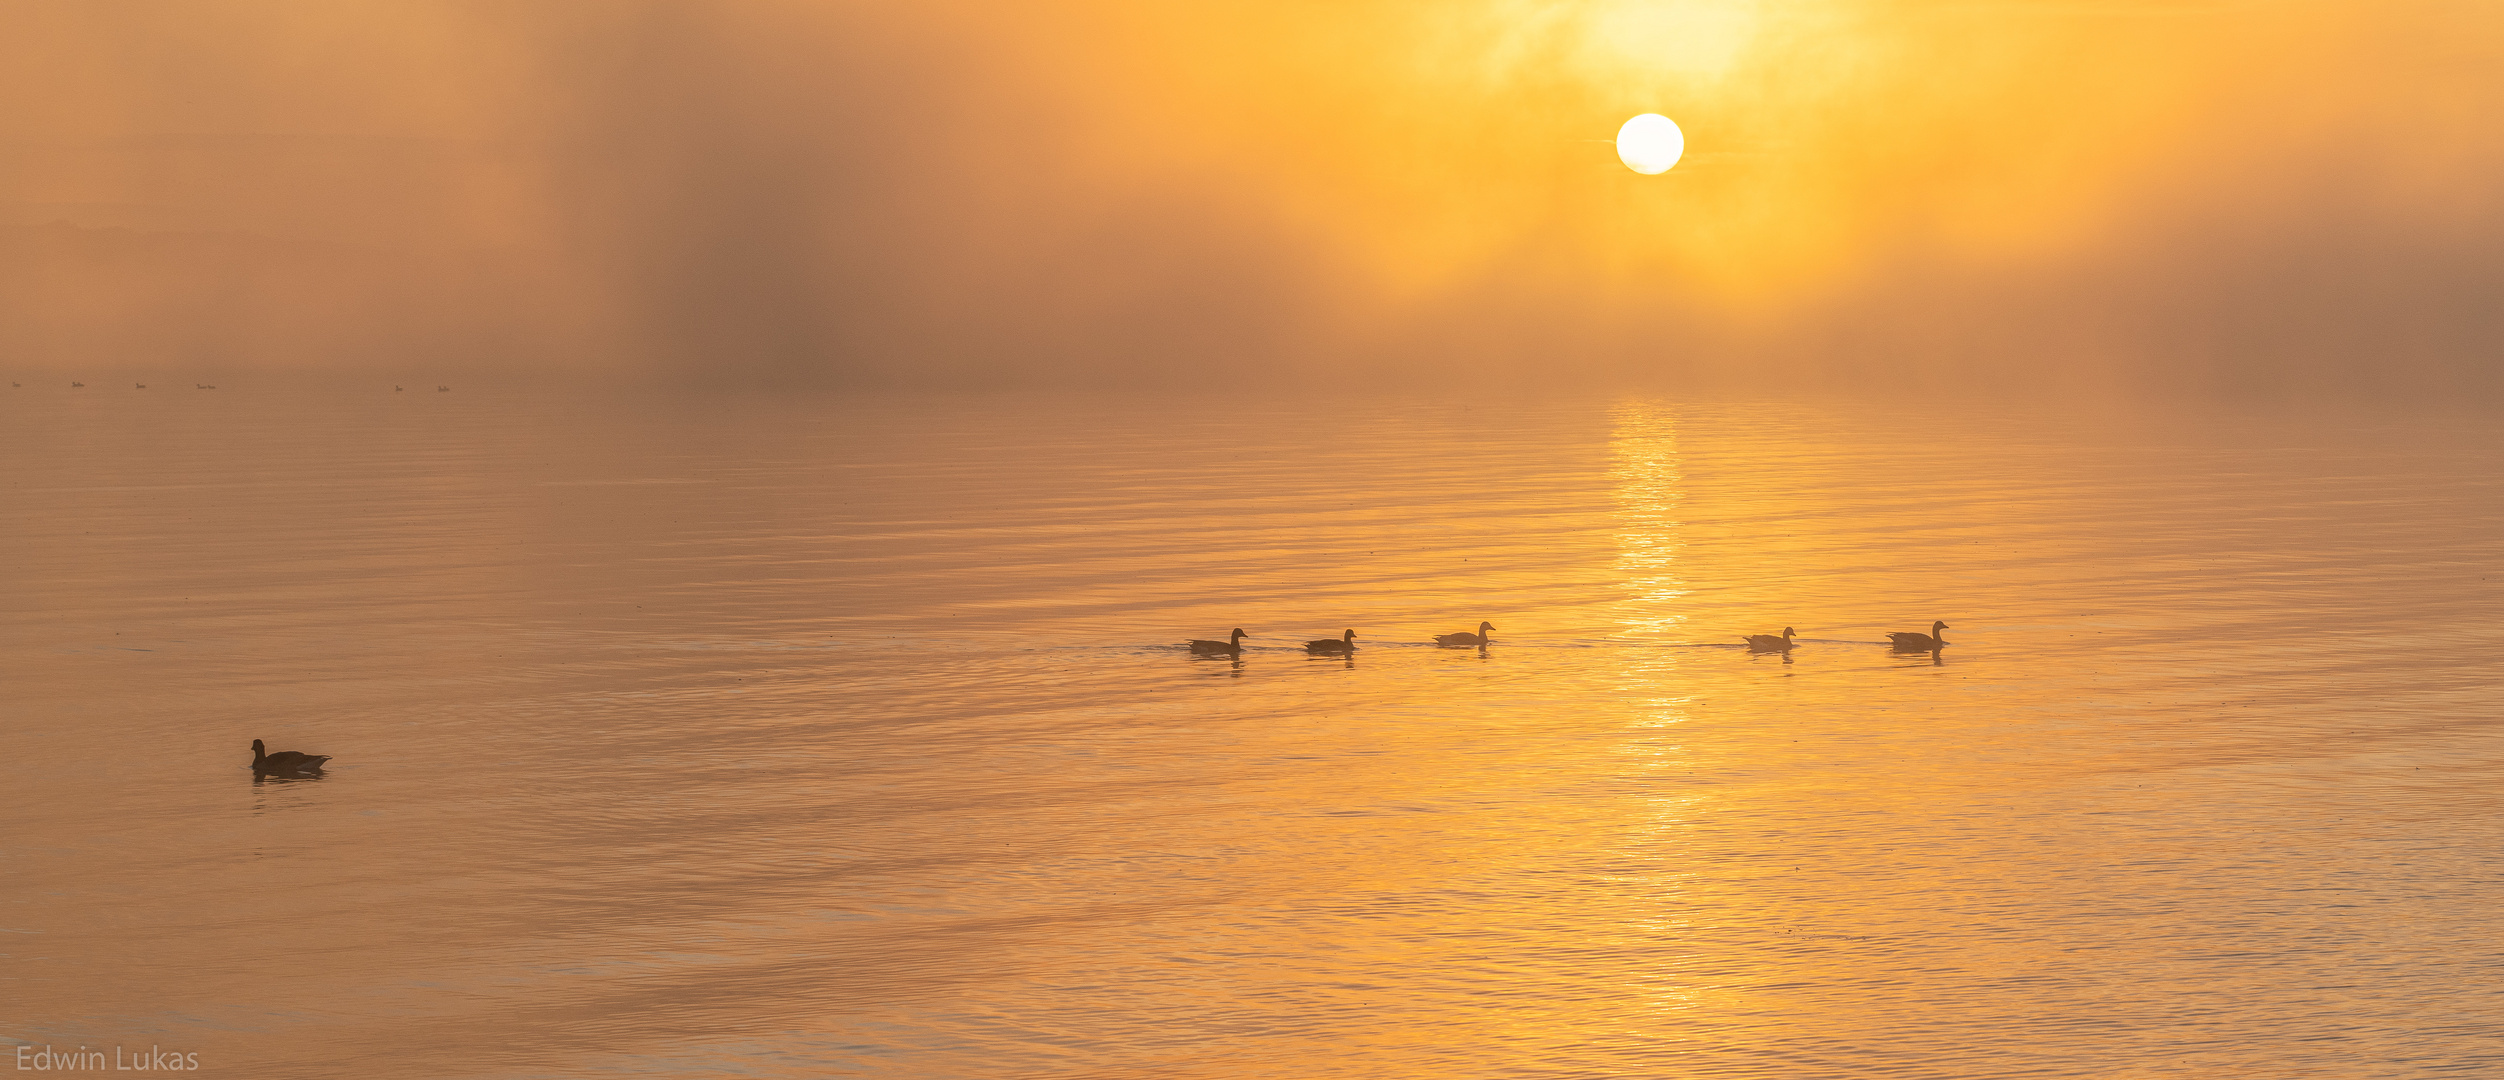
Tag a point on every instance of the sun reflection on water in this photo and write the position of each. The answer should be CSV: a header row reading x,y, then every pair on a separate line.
x,y
1644,471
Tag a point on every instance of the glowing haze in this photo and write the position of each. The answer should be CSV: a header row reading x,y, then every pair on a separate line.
x,y
2144,196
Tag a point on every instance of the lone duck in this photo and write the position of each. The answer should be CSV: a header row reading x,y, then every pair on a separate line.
x,y
1479,638
1912,642
1764,642
284,761
1232,646
1338,646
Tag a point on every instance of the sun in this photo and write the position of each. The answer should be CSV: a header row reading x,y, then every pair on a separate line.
x,y
1650,144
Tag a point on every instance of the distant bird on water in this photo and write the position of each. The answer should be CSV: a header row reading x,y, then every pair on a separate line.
x,y
284,761
1338,646
1763,642
1479,638
139,386
1912,642
1232,646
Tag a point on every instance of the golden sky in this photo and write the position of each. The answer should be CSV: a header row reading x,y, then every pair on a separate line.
x,y
2257,197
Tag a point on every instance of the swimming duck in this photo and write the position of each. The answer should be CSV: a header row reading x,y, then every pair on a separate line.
x,y
1911,642
1479,638
284,761
1232,646
1762,642
1338,646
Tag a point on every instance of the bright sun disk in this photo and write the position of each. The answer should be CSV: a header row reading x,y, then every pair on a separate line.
x,y
1650,144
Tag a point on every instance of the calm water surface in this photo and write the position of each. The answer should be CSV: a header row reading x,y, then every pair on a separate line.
x,y
855,738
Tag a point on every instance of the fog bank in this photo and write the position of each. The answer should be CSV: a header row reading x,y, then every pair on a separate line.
x,y
2139,199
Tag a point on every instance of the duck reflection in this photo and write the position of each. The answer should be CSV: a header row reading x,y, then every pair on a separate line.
x,y
275,779
1233,662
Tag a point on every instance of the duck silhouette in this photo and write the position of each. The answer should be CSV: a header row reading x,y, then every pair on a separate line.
x,y
1479,638
1908,641
284,761
1768,642
1232,646
1338,646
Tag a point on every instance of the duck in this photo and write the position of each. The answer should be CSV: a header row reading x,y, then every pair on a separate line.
x,y
1479,638
1762,642
1912,642
1338,646
1232,646
284,761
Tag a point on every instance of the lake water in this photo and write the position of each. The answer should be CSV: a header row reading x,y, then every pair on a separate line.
x,y
854,737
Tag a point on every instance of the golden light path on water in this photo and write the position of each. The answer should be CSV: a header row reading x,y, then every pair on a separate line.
x,y
855,737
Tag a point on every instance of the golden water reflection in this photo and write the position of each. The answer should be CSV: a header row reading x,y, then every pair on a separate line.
x,y
859,739
1643,447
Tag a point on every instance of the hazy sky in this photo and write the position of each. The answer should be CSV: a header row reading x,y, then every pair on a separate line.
x,y
2251,197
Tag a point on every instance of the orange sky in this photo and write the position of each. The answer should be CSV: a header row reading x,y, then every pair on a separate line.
x,y
2259,198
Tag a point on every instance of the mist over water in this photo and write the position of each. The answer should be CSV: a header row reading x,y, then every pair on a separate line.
x,y
855,736
730,487
2144,202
